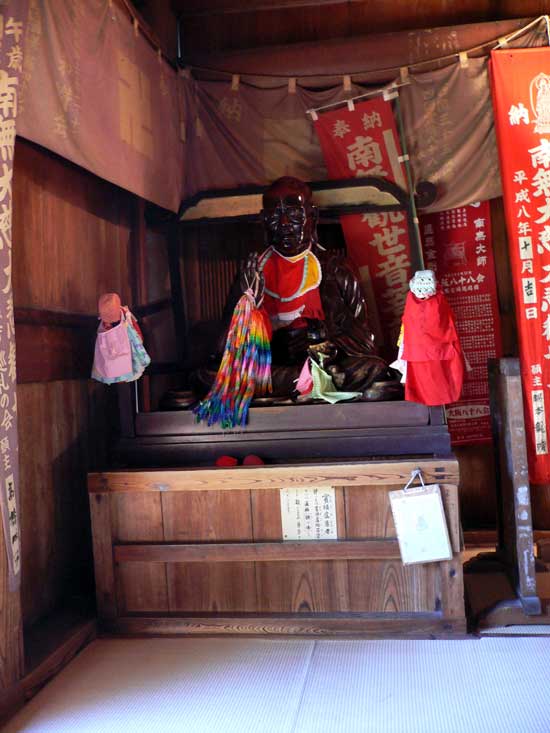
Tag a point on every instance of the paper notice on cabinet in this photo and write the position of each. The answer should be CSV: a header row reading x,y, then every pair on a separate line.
x,y
419,518
309,513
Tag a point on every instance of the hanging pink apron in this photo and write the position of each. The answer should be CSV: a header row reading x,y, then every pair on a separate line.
x,y
113,353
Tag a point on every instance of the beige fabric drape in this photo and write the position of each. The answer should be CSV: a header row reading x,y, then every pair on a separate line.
x,y
251,135
95,92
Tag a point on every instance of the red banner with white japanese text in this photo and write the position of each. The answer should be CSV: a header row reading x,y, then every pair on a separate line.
x,y
363,141
521,97
457,247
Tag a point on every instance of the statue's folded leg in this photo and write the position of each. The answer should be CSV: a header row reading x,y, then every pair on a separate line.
x,y
368,374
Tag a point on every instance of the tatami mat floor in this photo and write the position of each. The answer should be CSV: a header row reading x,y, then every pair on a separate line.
x,y
497,685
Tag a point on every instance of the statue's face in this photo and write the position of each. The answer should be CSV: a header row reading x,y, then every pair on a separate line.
x,y
289,219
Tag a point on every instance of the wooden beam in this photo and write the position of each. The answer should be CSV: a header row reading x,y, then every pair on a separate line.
x,y
176,288
379,473
198,8
318,62
156,306
42,317
74,639
364,625
139,285
383,549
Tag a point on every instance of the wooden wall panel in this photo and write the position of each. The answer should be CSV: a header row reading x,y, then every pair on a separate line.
x,y
48,353
385,587
380,587
209,516
308,587
377,522
53,459
71,234
208,587
71,241
141,586
296,587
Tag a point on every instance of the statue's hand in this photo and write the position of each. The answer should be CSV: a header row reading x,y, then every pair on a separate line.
x,y
251,277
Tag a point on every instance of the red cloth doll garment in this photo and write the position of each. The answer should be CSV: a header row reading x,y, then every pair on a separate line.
x,y
435,363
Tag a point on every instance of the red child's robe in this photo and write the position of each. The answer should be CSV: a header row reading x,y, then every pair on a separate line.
x,y
435,363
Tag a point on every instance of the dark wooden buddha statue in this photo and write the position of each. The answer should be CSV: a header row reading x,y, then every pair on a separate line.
x,y
314,301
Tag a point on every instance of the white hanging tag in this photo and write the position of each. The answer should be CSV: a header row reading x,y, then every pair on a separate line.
x,y
463,58
235,81
420,522
314,115
351,106
292,85
389,93
346,81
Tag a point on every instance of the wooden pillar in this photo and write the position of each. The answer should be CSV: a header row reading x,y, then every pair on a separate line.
x,y
139,286
178,300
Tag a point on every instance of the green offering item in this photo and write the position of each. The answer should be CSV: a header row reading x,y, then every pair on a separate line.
x,y
323,386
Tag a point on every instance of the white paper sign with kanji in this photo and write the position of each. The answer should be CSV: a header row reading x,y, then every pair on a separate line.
x,y
419,519
309,513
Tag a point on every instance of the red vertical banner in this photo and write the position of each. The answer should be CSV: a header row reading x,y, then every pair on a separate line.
x,y
521,97
363,141
457,247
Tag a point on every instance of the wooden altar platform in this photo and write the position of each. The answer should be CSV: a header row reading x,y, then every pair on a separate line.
x,y
201,551
354,430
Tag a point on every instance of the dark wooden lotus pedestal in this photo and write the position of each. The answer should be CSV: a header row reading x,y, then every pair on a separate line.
x,y
200,551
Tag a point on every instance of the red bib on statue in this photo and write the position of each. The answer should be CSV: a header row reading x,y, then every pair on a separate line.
x,y
291,287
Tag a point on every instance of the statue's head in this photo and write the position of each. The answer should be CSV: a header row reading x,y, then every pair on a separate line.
x,y
289,217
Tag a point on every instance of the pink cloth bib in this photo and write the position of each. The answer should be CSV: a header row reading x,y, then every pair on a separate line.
x,y
113,354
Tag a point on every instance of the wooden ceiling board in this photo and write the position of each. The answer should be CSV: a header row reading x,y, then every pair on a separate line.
x,y
371,59
410,15
225,25
249,30
187,8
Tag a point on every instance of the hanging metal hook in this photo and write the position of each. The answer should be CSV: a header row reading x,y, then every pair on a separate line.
x,y
415,474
